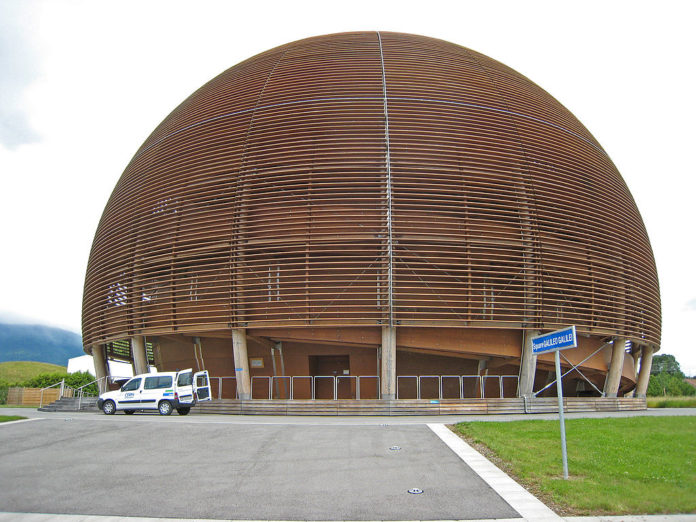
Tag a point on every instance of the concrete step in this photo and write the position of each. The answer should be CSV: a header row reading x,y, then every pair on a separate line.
x,y
72,404
414,407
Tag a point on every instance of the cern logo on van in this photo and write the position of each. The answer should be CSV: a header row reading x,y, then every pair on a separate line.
x,y
554,341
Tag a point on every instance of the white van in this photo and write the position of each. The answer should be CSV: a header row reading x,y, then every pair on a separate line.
x,y
164,391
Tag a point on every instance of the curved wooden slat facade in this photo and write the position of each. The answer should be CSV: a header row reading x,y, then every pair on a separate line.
x,y
369,179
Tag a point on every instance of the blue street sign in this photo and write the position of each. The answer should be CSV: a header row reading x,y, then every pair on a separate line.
x,y
554,341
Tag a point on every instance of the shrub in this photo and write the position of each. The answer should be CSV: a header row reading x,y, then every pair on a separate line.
x,y
74,380
44,380
4,385
669,384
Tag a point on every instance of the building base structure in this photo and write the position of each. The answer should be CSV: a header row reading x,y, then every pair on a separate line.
x,y
414,407
387,364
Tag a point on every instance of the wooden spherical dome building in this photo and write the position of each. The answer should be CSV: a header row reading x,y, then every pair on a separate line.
x,y
378,206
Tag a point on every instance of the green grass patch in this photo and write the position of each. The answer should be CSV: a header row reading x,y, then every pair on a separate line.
x,y
671,402
637,465
20,371
8,418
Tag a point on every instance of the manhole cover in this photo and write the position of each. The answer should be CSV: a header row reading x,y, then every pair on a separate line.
x,y
395,448
415,491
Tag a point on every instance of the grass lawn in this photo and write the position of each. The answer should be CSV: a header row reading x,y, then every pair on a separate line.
x,y
20,371
671,402
7,418
638,465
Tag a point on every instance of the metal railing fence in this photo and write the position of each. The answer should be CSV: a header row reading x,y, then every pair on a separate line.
x,y
331,387
102,384
79,393
446,385
65,391
334,387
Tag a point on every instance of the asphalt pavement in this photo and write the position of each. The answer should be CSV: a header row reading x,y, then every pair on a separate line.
x,y
348,420
180,467
89,467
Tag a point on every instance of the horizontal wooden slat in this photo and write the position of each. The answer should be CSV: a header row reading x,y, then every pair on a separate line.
x,y
264,198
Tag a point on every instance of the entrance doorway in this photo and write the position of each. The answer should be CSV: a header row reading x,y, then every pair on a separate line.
x,y
324,366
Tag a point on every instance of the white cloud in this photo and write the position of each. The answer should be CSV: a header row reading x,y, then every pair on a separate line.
x,y
19,66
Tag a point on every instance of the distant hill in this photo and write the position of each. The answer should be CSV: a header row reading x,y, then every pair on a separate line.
x,y
20,371
36,342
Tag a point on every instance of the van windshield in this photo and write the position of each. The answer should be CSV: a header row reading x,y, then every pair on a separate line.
x,y
184,379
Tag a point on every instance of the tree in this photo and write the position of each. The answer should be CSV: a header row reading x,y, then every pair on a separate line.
x,y
667,384
666,363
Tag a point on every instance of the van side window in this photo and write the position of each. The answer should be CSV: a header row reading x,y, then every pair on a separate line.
x,y
131,385
185,379
165,381
157,382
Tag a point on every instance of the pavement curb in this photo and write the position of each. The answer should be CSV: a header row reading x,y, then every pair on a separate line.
x,y
8,423
521,500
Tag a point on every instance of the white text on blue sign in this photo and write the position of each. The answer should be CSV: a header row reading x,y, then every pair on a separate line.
x,y
558,340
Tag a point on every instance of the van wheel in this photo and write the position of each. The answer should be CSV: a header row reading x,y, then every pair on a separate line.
x,y
109,407
129,412
184,411
165,408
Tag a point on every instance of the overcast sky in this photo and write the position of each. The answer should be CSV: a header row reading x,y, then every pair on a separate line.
x,y
83,83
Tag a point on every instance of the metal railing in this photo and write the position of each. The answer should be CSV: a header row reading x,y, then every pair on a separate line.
x,y
334,387
65,391
221,384
293,386
445,386
102,384
68,391
330,387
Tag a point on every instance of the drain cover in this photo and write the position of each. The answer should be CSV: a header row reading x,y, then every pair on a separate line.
x,y
415,491
395,448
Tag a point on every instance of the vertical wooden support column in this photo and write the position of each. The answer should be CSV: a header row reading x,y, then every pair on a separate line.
x,y
644,374
527,365
101,368
611,383
388,376
241,363
139,355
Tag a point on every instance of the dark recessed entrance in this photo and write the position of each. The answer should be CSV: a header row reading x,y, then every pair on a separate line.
x,y
327,367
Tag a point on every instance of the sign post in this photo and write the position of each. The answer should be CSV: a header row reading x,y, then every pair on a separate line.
x,y
555,342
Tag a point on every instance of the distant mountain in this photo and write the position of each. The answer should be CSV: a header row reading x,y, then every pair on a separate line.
x,y
36,342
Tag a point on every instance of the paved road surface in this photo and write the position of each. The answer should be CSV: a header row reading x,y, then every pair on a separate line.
x,y
246,467
365,420
182,467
